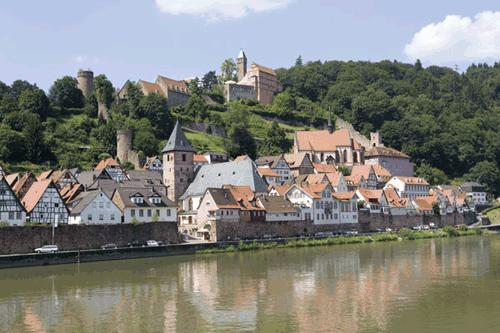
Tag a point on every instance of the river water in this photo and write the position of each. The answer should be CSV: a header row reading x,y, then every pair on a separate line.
x,y
439,285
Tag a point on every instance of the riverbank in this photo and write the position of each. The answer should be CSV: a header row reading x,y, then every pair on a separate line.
x,y
402,234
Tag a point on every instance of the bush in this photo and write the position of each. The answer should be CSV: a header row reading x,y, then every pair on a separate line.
x,y
404,232
4,224
463,227
451,231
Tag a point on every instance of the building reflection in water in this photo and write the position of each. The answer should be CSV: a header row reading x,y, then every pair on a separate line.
x,y
337,288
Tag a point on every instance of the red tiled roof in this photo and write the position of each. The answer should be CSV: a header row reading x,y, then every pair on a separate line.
x,y
342,196
149,88
385,151
324,168
323,140
267,172
380,171
35,193
199,158
413,180
105,163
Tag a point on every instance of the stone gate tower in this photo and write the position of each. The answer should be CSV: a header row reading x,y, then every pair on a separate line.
x,y
85,80
241,64
177,163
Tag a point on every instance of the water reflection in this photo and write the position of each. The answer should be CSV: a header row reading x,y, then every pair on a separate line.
x,y
331,289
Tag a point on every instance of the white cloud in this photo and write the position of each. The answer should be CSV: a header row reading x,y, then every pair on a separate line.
x,y
214,10
458,38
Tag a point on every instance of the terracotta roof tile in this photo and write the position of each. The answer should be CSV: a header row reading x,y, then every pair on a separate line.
x,y
105,163
324,168
385,151
149,88
342,196
267,172
324,140
35,193
413,180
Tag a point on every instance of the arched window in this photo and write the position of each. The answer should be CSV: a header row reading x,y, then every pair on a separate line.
x,y
337,156
354,157
344,155
330,160
322,157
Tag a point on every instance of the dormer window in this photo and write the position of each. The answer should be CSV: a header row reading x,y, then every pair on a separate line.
x,y
155,200
137,200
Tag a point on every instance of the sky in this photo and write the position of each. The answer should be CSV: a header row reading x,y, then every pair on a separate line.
x,y
42,40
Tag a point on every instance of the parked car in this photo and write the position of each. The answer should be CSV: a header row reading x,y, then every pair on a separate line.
x,y
109,246
47,249
352,232
432,226
267,236
136,244
152,243
425,227
388,230
162,243
417,228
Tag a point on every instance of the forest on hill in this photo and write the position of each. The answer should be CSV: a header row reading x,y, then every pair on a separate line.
x,y
448,122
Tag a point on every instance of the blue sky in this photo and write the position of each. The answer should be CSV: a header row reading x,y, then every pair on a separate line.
x,y
130,39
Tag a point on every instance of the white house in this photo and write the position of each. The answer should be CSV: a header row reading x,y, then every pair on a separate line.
x,y
316,202
348,206
409,187
374,200
44,204
11,209
368,174
279,165
94,207
144,205
475,192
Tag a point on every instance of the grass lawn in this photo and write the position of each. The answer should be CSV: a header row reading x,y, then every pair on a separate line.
x,y
205,142
494,215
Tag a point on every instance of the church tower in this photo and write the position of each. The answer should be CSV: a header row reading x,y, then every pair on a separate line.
x,y
177,163
241,64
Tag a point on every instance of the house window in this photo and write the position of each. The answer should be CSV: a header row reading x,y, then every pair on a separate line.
x,y
101,204
141,212
18,215
169,213
94,205
108,205
89,217
132,212
56,205
112,217
158,212
149,212
183,157
11,215
101,217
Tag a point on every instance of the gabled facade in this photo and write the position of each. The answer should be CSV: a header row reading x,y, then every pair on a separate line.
x,y
368,174
373,200
348,206
250,210
338,181
300,164
398,205
60,178
44,204
94,207
409,187
11,209
144,205
269,176
278,208
113,168
153,163
279,165
20,183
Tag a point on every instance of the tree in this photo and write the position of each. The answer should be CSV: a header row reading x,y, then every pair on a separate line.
x,y
298,62
275,142
209,80
241,142
35,101
19,86
145,141
33,132
195,86
103,90
486,173
65,93
283,104
12,145
228,70
155,108
433,175
196,108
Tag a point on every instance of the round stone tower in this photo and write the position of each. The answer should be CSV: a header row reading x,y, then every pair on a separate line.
x,y
85,80
123,144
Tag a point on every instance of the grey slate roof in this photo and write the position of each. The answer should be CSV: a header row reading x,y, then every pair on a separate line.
x,y
472,187
126,193
82,201
177,141
87,178
241,172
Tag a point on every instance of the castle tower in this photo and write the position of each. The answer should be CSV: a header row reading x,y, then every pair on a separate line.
x,y
241,64
330,124
375,139
123,145
177,163
85,82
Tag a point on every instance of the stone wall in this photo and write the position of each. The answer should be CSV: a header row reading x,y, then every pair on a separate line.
x,y
82,237
367,222
217,130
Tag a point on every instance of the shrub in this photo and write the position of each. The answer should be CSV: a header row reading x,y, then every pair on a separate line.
x,y
4,224
463,227
404,232
451,231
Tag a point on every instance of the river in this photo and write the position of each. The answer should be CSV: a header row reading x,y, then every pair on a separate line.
x,y
436,285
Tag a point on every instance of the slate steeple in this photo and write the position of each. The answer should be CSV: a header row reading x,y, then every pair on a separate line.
x,y
177,141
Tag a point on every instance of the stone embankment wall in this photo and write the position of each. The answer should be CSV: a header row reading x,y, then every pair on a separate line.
x,y
217,130
367,222
82,237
